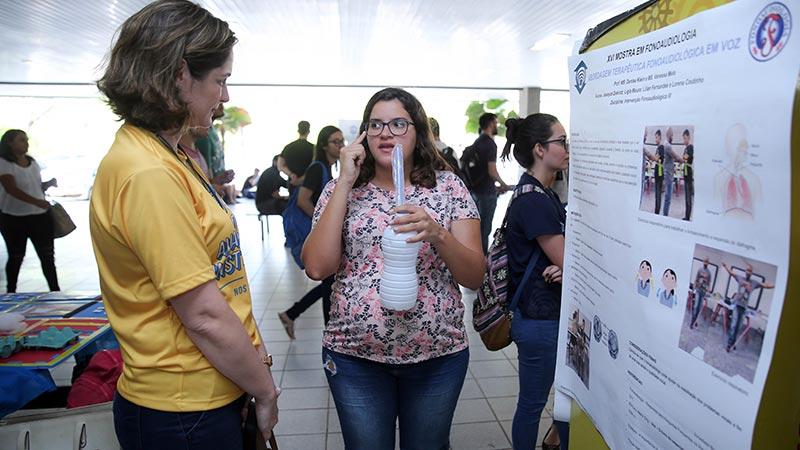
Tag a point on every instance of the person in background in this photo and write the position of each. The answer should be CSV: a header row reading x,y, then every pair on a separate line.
x,y
485,194
297,155
268,197
746,284
445,150
384,365
688,173
329,142
702,281
221,182
210,145
249,183
536,223
24,210
172,277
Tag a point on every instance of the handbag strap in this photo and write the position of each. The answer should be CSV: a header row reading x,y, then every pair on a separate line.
x,y
535,257
524,189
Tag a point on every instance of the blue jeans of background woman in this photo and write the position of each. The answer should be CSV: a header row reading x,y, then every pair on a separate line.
x,y
16,231
140,428
537,343
371,396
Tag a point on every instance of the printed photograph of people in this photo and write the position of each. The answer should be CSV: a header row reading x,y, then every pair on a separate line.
x,y
579,332
727,310
737,189
668,171
644,278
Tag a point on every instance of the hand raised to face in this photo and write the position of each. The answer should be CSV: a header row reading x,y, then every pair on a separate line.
x,y
350,160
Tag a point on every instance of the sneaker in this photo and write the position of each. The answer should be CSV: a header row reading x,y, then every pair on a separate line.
x,y
288,324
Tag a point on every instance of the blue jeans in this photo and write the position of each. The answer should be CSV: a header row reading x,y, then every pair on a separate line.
x,y
737,315
140,428
371,396
699,299
486,204
537,344
668,182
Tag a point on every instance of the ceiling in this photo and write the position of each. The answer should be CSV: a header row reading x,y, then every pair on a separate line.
x,y
459,43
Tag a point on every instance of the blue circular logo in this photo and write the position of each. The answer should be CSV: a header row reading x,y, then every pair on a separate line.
x,y
598,329
613,344
770,32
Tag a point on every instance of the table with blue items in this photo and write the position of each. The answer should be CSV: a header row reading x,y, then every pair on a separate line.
x,y
57,326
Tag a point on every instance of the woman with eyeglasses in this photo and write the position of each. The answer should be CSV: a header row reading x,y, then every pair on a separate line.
x,y
326,153
383,365
535,235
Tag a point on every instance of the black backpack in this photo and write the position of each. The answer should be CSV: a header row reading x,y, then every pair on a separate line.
x,y
449,157
473,169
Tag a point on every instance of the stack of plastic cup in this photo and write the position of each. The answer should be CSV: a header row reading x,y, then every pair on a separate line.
x,y
399,283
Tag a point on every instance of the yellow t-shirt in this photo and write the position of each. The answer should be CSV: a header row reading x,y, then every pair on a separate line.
x,y
158,232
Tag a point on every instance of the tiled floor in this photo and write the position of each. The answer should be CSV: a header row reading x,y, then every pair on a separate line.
x,y
308,418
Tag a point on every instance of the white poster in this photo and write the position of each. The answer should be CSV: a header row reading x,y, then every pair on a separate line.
x,y
678,227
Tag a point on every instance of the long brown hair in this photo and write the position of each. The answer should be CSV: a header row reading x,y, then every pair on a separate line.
x,y
427,159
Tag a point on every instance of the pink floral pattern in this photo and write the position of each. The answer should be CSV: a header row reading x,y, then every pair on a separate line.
x,y
359,325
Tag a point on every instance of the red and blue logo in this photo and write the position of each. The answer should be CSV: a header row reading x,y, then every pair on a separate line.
x,y
770,32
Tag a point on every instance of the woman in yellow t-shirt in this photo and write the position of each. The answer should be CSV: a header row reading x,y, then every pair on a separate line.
x,y
171,271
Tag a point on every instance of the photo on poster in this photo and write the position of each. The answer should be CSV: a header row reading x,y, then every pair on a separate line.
x,y
727,310
668,171
578,339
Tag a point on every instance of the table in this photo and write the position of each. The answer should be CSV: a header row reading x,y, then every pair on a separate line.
x,y
26,373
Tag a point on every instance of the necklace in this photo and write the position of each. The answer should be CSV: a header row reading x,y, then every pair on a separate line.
x,y
186,162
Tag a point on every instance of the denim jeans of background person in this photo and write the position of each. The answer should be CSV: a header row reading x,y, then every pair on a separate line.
x,y
424,395
487,204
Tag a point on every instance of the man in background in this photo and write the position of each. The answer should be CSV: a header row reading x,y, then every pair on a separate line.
x,y
445,150
485,192
268,197
297,156
210,146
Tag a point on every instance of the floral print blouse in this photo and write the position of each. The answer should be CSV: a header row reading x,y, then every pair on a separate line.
x,y
359,326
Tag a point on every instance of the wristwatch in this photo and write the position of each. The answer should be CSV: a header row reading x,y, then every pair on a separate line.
x,y
267,360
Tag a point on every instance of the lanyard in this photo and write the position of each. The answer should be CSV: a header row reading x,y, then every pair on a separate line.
x,y
186,162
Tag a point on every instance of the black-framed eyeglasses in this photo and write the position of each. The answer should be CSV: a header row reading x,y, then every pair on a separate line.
x,y
336,142
398,127
564,141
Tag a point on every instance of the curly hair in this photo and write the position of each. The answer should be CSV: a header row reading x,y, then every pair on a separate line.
x,y
140,80
427,159
524,134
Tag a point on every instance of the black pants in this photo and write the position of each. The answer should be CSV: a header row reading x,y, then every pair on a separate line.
x,y
323,291
688,191
16,231
659,193
271,205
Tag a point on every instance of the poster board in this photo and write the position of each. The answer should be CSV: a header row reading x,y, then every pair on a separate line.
x,y
772,426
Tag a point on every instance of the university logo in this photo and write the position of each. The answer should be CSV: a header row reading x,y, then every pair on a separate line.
x,y
770,32
580,77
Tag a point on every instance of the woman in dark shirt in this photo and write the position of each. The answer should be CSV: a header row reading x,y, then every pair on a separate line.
x,y
329,143
536,230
